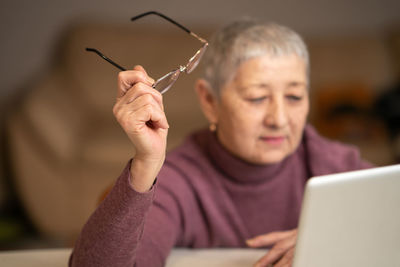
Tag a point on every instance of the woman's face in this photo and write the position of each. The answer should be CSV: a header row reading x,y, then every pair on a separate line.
x,y
262,111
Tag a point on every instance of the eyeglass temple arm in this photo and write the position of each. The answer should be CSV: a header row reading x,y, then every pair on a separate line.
x,y
105,58
170,20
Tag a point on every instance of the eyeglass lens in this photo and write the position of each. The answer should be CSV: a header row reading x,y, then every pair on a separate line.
x,y
164,83
194,61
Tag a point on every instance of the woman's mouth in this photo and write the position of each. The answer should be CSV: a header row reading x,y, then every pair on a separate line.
x,y
273,140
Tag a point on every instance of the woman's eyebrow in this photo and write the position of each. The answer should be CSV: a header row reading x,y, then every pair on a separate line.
x,y
297,83
267,86
261,85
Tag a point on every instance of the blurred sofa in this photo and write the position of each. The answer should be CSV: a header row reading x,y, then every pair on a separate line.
x,y
65,145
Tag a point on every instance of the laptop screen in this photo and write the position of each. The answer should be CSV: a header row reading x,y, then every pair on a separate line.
x,y
351,219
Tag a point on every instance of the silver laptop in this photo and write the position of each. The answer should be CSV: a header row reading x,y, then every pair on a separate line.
x,y
351,219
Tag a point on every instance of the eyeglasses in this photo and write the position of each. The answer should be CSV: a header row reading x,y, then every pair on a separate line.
x,y
164,83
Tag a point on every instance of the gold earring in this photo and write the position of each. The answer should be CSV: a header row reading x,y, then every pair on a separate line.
x,y
213,127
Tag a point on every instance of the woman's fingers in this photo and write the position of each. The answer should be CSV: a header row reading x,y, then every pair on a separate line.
x,y
149,110
143,111
269,239
146,126
133,84
282,251
277,252
138,90
127,79
286,260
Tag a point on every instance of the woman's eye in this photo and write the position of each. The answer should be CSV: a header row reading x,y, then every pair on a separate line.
x,y
257,99
294,98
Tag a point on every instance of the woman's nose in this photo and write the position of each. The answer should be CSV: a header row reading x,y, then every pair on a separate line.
x,y
276,115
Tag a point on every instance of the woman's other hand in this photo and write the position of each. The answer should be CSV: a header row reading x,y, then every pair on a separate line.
x,y
140,112
282,252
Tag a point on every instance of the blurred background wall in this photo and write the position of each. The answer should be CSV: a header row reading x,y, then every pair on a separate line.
x,y
30,29
57,129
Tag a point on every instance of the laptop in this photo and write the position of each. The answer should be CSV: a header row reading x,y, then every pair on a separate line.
x,y
351,219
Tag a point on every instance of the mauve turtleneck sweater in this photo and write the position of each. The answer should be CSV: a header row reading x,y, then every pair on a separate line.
x,y
205,197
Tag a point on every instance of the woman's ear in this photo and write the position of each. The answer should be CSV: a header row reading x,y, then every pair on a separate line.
x,y
208,101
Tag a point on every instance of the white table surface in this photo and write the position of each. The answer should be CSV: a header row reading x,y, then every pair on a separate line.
x,y
178,257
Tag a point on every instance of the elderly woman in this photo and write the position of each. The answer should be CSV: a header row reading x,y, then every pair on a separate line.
x,y
239,183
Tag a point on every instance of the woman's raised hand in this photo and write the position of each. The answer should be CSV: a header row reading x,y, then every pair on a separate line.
x,y
140,112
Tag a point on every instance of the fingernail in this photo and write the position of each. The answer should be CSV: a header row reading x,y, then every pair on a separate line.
x,y
249,242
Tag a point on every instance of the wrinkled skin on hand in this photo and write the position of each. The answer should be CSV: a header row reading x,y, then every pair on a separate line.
x,y
282,252
140,112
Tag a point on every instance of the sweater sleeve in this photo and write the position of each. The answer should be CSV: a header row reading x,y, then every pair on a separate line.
x,y
123,230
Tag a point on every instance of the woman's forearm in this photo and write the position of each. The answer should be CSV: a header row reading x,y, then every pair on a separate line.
x,y
113,232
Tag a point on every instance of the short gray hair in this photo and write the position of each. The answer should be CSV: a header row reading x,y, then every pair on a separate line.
x,y
246,39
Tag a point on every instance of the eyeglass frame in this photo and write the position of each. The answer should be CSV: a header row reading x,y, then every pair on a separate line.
x,y
173,75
